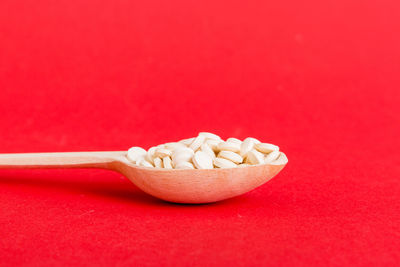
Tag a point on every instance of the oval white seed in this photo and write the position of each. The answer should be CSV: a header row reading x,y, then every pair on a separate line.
x,y
272,156
210,136
207,149
246,146
158,163
167,162
255,141
243,165
213,144
234,147
144,163
136,153
197,142
187,141
182,158
182,154
162,152
232,156
202,161
266,148
150,154
184,165
254,157
174,145
234,140
224,163
282,159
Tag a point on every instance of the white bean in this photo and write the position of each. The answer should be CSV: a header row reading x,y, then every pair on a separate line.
x,y
184,165
196,144
174,145
202,161
162,152
282,159
272,156
255,141
243,165
246,146
158,163
187,142
254,157
234,147
207,149
136,153
234,140
224,163
144,163
182,154
167,162
266,148
150,154
213,144
232,156
210,136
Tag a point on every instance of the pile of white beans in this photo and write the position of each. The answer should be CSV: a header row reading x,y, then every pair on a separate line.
x,y
206,151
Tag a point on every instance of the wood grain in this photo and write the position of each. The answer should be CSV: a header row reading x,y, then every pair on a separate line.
x,y
181,186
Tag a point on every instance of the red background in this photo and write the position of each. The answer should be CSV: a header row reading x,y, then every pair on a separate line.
x,y
318,78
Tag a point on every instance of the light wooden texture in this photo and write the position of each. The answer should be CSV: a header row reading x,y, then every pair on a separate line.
x,y
61,160
181,186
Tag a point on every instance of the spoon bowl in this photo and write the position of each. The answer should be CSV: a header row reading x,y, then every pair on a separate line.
x,y
179,186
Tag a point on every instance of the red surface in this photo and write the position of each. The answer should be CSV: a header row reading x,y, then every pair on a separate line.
x,y
319,78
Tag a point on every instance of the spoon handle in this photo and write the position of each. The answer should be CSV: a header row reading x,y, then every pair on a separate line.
x,y
60,160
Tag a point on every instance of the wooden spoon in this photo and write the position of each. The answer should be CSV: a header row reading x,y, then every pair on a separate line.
x,y
181,186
